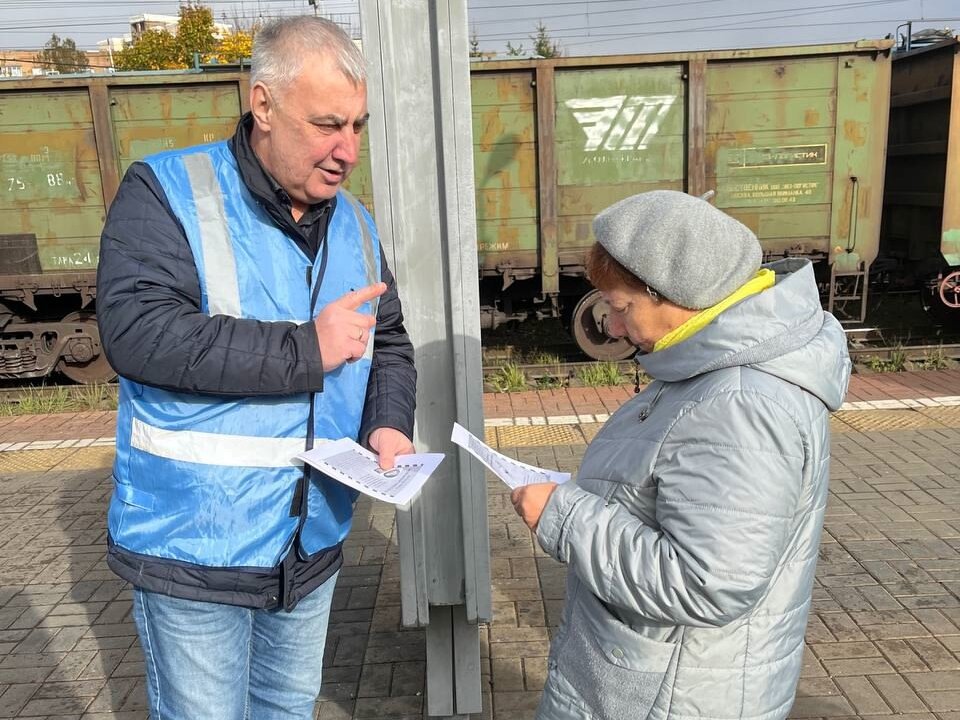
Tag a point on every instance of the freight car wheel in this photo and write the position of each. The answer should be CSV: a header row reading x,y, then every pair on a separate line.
x,y
587,326
94,370
950,290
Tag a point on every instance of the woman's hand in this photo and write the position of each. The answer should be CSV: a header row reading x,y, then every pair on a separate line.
x,y
530,500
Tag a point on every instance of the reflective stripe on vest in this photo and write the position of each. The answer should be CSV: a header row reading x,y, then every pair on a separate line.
x,y
223,292
373,272
216,449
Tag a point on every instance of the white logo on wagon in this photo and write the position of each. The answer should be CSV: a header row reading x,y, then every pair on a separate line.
x,y
620,122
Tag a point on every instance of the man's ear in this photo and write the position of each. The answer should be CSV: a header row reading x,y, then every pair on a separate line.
x,y
261,105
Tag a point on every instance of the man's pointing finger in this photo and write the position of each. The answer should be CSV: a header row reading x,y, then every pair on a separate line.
x,y
355,298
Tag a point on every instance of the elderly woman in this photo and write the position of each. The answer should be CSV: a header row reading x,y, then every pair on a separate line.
x,y
691,534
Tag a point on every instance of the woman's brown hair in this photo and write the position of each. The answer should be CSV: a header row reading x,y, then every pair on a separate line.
x,y
606,273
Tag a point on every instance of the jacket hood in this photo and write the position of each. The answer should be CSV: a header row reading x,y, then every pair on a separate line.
x,y
782,331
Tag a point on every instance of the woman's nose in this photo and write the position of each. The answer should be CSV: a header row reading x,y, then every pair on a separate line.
x,y
614,326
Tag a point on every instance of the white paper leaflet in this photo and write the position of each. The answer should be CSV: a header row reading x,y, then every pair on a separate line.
x,y
347,462
513,472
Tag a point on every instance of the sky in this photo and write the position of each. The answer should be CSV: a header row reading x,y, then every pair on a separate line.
x,y
582,27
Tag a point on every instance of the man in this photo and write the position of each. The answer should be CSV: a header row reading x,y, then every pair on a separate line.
x,y
244,300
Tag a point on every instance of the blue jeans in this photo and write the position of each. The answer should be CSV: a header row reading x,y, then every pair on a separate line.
x,y
207,661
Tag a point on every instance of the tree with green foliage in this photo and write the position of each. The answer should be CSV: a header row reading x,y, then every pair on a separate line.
x,y
152,50
62,55
475,45
543,45
195,34
162,50
514,50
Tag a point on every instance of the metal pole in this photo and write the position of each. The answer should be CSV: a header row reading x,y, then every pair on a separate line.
x,y
421,151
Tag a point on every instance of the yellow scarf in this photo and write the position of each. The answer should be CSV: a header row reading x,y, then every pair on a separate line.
x,y
758,283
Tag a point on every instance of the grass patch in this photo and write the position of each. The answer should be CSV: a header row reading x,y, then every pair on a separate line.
x,y
509,377
936,360
42,400
897,362
600,374
543,358
98,396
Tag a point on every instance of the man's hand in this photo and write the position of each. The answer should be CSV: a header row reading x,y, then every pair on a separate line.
x,y
389,443
530,500
342,332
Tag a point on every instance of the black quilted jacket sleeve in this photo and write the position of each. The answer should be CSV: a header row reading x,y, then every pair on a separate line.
x,y
153,331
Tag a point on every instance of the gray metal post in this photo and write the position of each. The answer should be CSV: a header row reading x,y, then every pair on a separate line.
x,y
421,152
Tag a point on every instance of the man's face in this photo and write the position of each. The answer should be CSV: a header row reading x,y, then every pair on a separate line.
x,y
310,130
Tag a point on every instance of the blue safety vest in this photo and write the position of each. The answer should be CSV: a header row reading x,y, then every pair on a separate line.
x,y
212,481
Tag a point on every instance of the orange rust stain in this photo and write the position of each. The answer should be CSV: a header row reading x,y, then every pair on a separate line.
x,y
490,204
509,235
855,132
864,202
166,106
811,118
843,217
750,219
506,89
492,129
710,156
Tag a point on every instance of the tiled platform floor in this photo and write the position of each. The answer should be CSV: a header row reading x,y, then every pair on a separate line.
x,y
883,639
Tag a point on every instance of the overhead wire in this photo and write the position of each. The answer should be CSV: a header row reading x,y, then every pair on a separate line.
x,y
783,12
707,28
284,7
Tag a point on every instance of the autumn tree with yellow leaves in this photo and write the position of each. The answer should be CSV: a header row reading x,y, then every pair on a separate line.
x,y
162,50
234,47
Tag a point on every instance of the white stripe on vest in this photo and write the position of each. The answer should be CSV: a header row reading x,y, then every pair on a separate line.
x,y
219,263
217,449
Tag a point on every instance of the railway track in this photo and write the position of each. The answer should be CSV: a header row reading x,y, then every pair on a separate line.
x,y
860,352
71,396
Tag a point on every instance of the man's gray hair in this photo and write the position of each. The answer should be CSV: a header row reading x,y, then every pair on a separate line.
x,y
281,47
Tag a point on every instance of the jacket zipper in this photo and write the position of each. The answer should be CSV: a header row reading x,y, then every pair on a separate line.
x,y
299,505
648,408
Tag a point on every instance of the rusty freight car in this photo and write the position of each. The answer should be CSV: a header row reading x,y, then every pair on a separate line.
x,y
790,139
64,145
920,233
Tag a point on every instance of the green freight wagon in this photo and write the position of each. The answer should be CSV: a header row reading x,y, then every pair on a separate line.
x,y
791,140
64,145
920,234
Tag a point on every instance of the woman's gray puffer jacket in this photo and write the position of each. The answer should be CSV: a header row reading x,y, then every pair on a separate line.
x,y
691,534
